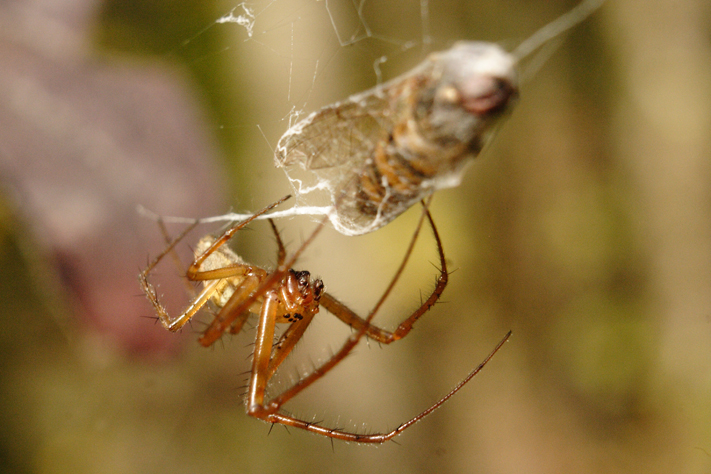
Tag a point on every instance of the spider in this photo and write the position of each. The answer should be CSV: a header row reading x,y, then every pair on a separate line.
x,y
286,296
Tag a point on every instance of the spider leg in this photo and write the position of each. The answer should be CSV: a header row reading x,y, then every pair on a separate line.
x,y
271,280
233,314
296,330
152,295
277,275
346,315
230,317
353,340
194,272
260,377
270,414
262,354
176,258
281,251
270,411
192,309
288,340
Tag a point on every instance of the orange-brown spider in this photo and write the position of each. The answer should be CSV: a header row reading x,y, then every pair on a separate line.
x,y
292,297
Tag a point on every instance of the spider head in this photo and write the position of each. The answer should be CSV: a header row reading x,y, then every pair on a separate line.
x,y
300,294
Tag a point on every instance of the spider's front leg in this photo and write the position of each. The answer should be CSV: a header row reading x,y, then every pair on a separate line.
x,y
228,281
261,375
196,272
150,291
262,354
296,301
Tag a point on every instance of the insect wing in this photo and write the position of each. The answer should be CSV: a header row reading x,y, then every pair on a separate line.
x,y
345,133
324,153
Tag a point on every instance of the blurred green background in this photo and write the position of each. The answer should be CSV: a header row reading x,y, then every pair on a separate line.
x,y
585,228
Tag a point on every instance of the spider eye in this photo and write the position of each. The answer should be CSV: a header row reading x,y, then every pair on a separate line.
x,y
295,317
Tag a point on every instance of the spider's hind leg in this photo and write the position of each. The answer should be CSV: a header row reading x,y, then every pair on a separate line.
x,y
345,314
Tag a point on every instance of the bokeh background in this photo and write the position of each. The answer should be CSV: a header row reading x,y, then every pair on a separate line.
x,y
585,228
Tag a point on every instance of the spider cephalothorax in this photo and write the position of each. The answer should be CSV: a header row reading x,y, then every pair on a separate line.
x,y
298,293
